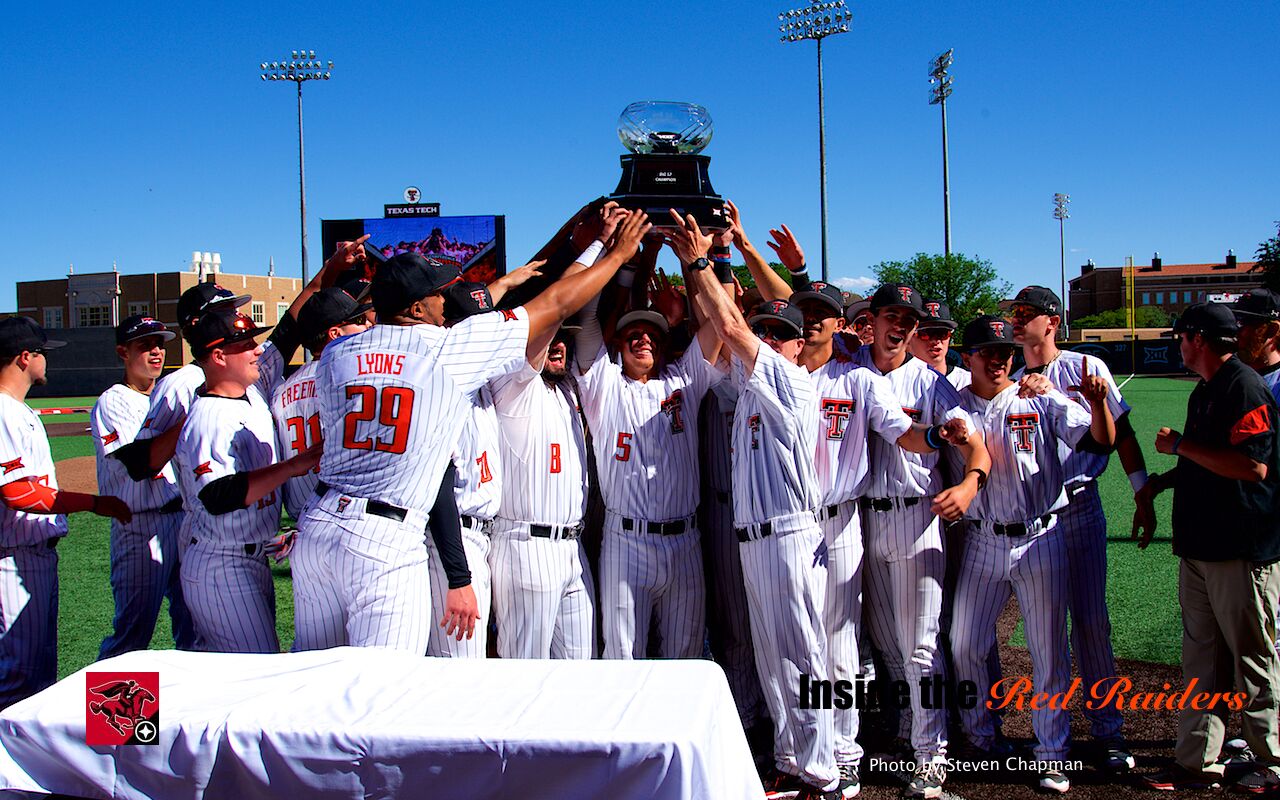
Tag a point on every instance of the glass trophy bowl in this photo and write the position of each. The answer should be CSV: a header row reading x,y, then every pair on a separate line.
x,y
663,126
664,169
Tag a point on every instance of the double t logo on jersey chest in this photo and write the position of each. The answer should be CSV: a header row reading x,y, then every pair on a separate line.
x,y
673,407
1023,428
837,412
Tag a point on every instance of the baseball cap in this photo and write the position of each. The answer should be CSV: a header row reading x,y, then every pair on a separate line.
x,y
139,326
643,315
987,330
1210,319
407,278
324,309
220,329
821,291
897,294
466,299
22,333
779,311
937,314
1257,305
1040,297
857,308
206,297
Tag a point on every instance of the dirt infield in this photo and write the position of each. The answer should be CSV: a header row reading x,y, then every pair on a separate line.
x,y
66,428
1150,734
79,474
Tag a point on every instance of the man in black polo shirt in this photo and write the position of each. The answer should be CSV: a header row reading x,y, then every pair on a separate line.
x,y
1226,532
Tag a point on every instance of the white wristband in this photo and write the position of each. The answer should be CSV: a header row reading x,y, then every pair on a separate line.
x,y
591,254
1138,479
627,276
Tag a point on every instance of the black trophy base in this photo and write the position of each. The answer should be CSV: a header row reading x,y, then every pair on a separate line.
x,y
657,182
708,211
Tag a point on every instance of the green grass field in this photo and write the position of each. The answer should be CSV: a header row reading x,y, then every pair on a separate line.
x,y
1141,584
63,402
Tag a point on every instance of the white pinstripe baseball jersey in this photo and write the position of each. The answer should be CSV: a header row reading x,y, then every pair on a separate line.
x,y
115,421
926,397
1065,370
645,434
25,455
392,390
544,451
223,436
478,490
1025,437
296,410
959,377
172,395
852,401
775,434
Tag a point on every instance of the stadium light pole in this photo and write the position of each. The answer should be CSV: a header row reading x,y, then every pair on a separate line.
x,y
301,67
1060,213
941,82
817,21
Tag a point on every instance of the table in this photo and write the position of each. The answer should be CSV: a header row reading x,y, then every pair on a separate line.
x,y
372,723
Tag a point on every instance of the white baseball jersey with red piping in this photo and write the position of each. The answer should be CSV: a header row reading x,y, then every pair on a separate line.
x,y
645,437
29,581
393,401
1083,526
775,433
144,553
1013,544
296,410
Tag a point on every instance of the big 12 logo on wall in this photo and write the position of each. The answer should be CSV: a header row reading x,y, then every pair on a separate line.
x,y
122,708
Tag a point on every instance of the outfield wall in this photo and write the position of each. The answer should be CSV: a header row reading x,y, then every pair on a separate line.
x,y
1141,357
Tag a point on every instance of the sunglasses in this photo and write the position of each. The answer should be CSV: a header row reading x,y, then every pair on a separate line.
x,y
993,352
1025,313
774,332
934,334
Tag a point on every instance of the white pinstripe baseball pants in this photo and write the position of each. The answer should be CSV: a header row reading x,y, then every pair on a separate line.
x,y
144,570
842,617
643,575
231,597
28,621
542,601
1035,569
475,543
785,594
1083,527
728,618
903,573
360,579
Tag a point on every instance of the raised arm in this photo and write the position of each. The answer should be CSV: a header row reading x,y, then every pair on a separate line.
x,y
690,244
770,284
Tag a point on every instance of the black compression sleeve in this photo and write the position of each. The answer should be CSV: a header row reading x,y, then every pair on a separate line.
x,y
226,494
136,457
1088,444
446,532
1124,428
286,337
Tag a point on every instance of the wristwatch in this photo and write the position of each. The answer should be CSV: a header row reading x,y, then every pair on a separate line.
x,y
699,263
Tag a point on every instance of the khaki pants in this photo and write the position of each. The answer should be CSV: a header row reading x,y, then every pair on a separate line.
x,y
1228,645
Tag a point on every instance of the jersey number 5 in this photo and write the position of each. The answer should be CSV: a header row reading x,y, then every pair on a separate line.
x,y
623,452
393,407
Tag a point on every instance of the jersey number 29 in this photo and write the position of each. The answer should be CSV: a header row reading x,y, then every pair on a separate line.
x,y
392,407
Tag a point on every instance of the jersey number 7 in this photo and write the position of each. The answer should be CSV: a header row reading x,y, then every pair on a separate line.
x,y
392,407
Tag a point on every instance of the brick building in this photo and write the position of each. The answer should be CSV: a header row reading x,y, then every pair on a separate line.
x,y
1171,287
83,308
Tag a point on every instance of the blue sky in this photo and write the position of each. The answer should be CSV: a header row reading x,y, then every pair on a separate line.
x,y
137,137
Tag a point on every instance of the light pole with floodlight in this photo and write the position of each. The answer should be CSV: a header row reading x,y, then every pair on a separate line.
x,y
1061,214
301,67
941,82
817,21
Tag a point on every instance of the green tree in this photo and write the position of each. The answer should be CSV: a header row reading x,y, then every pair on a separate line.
x,y
1268,258
1144,317
968,285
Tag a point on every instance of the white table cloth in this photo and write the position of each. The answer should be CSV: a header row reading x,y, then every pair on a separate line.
x,y
367,723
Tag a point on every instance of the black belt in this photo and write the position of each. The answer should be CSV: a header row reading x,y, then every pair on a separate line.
x,y
375,507
659,528
744,534
556,531
476,522
249,549
1018,528
886,503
